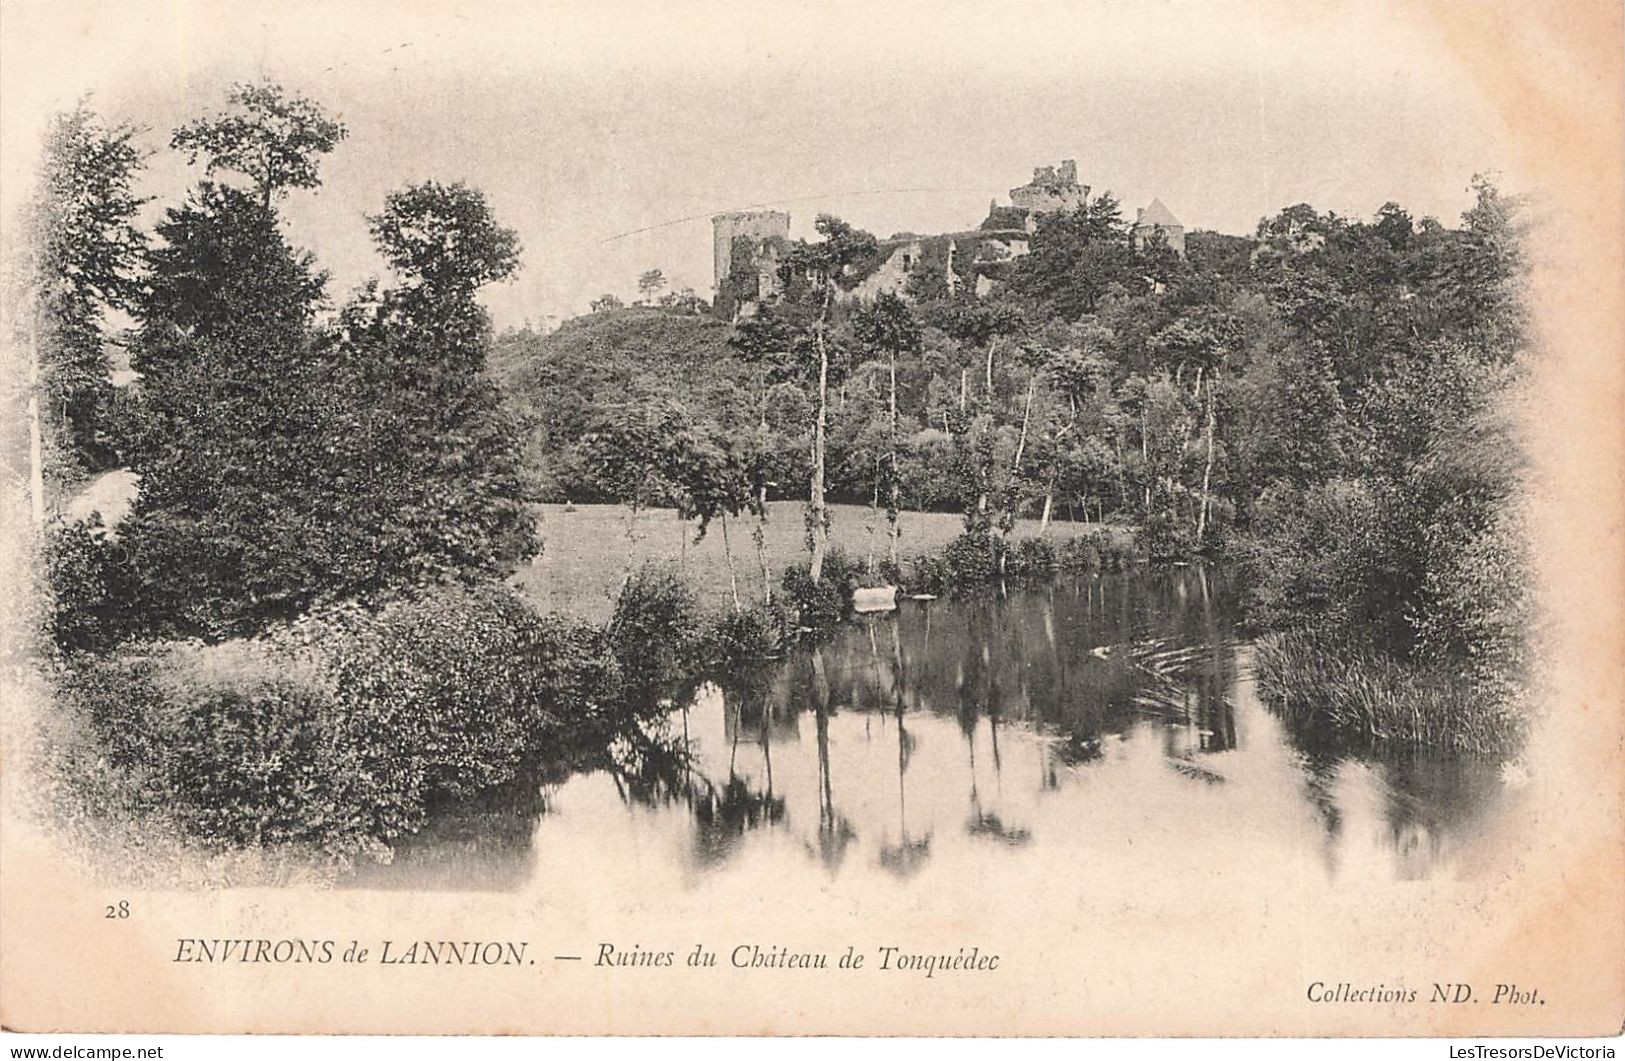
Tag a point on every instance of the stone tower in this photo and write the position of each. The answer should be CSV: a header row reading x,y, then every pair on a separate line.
x,y
755,224
1051,190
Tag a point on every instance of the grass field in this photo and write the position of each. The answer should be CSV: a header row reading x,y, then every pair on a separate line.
x,y
586,553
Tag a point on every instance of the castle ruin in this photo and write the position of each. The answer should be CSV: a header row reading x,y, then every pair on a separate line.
x,y
1051,190
745,248
748,245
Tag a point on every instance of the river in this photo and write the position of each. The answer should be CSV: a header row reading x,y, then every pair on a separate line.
x,y
1097,721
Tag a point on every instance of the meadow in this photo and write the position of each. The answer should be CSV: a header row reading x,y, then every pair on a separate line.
x,y
588,550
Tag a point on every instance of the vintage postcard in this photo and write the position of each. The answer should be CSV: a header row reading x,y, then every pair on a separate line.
x,y
1050,519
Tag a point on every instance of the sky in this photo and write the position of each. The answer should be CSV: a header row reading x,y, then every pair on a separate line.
x,y
607,133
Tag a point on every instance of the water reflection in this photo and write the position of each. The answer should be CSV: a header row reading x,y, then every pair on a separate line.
x,y
1101,721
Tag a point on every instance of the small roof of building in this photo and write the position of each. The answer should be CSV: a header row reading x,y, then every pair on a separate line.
x,y
1157,214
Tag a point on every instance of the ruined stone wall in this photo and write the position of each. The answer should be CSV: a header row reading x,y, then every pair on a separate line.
x,y
890,276
1051,189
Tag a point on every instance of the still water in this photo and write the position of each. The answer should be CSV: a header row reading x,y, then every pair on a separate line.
x,y
1102,721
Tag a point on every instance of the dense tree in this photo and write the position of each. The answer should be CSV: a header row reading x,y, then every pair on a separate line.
x,y
88,255
1077,257
629,453
1384,467
284,464
229,401
445,494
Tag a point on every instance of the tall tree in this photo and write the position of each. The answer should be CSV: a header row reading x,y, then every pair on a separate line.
x,y
443,493
986,327
802,340
889,329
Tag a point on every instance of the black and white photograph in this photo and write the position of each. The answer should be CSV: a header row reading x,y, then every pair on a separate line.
x,y
1054,519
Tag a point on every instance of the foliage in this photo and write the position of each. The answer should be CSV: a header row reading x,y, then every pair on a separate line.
x,y
1346,690
1077,258
88,253
801,346
91,597
285,466
1325,402
606,372
650,283
338,732
1389,511
229,404
977,558
739,637
1033,558
241,744
654,634
268,136
443,240
822,603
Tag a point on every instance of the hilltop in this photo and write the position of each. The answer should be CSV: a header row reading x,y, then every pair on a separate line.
x,y
567,378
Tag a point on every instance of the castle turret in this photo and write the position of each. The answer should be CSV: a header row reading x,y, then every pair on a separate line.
x,y
1155,219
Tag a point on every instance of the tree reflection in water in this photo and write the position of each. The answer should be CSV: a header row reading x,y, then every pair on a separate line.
x,y
906,857
655,769
835,832
1091,714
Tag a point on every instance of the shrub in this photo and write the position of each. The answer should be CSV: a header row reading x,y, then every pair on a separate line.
x,y
653,634
976,557
1083,553
739,637
338,731
91,591
457,665
245,743
1100,550
1033,558
822,604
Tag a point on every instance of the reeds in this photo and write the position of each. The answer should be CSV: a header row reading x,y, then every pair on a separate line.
x,y
1353,691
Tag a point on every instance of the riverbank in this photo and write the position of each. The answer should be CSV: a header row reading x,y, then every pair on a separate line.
x,y
336,734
